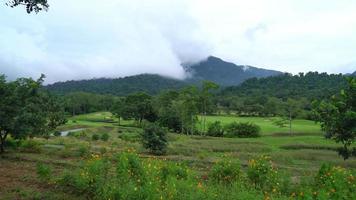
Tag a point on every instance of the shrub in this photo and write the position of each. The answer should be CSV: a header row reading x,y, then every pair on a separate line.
x,y
263,174
154,138
44,172
242,130
335,183
129,167
30,146
57,133
12,143
215,129
95,137
83,151
105,137
65,153
225,171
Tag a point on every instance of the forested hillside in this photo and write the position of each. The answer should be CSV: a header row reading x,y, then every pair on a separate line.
x,y
225,73
149,83
213,69
312,85
281,95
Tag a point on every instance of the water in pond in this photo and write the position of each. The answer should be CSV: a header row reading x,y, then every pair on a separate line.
x,y
65,133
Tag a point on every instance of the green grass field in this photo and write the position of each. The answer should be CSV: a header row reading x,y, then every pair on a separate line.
x,y
299,155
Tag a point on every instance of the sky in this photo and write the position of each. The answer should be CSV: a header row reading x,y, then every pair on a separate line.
x,y
84,39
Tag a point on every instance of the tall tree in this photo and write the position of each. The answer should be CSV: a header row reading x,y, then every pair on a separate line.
x,y
206,96
26,111
139,107
117,109
187,107
338,118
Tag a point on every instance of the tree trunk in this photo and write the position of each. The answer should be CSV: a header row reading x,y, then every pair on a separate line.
x,y
290,123
2,141
119,120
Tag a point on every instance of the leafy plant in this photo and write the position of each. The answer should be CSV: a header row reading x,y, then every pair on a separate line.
x,y
44,172
30,146
263,174
215,129
95,137
338,116
105,137
242,129
154,138
226,171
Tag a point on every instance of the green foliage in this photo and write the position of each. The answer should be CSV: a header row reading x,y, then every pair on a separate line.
x,y
26,110
95,137
130,137
242,129
263,175
338,116
57,133
105,137
226,171
168,115
215,129
154,138
148,83
266,97
139,107
30,146
83,151
335,183
44,172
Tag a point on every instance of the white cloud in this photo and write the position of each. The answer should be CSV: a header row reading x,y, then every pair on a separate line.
x,y
111,38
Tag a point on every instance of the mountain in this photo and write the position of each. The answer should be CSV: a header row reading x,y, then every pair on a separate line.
x,y
149,83
312,85
212,69
224,73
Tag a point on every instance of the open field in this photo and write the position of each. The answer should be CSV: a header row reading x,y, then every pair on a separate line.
x,y
299,155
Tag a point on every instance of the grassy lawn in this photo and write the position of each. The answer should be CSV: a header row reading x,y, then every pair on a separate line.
x,y
299,155
267,125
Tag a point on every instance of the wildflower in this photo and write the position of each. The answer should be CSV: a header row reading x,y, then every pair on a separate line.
x,y
200,185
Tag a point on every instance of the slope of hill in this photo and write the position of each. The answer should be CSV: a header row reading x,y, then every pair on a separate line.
x,y
213,69
312,85
149,83
225,73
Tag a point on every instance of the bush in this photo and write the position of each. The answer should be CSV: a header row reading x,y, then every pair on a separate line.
x,y
263,174
215,129
105,137
154,138
335,183
44,172
30,146
130,137
12,143
83,151
57,133
95,137
225,171
242,130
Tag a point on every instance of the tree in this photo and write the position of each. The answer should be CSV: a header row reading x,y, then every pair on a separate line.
x,y
27,111
289,112
168,115
187,107
338,116
31,5
139,106
205,96
117,108
154,138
